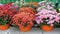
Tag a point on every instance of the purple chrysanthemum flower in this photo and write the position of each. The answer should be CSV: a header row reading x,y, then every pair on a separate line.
x,y
48,16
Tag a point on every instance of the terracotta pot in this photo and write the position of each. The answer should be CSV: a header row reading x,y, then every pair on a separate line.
x,y
34,3
4,27
25,29
46,28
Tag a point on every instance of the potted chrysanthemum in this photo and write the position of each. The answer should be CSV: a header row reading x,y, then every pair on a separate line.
x,y
29,10
8,10
4,20
47,18
24,21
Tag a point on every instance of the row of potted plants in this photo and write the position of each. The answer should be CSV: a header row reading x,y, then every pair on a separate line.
x,y
43,13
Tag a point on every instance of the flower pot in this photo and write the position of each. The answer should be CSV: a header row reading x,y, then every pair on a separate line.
x,y
25,29
4,27
33,3
47,28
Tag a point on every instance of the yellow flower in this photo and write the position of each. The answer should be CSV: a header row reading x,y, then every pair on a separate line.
x,y
59,13
59,9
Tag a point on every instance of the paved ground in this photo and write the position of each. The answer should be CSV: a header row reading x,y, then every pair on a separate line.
x,y
13,30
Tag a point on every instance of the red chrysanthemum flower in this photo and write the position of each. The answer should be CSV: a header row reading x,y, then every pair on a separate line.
x,y
23,18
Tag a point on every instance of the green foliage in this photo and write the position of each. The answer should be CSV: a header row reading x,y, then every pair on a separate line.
x,y
58,8
3,22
